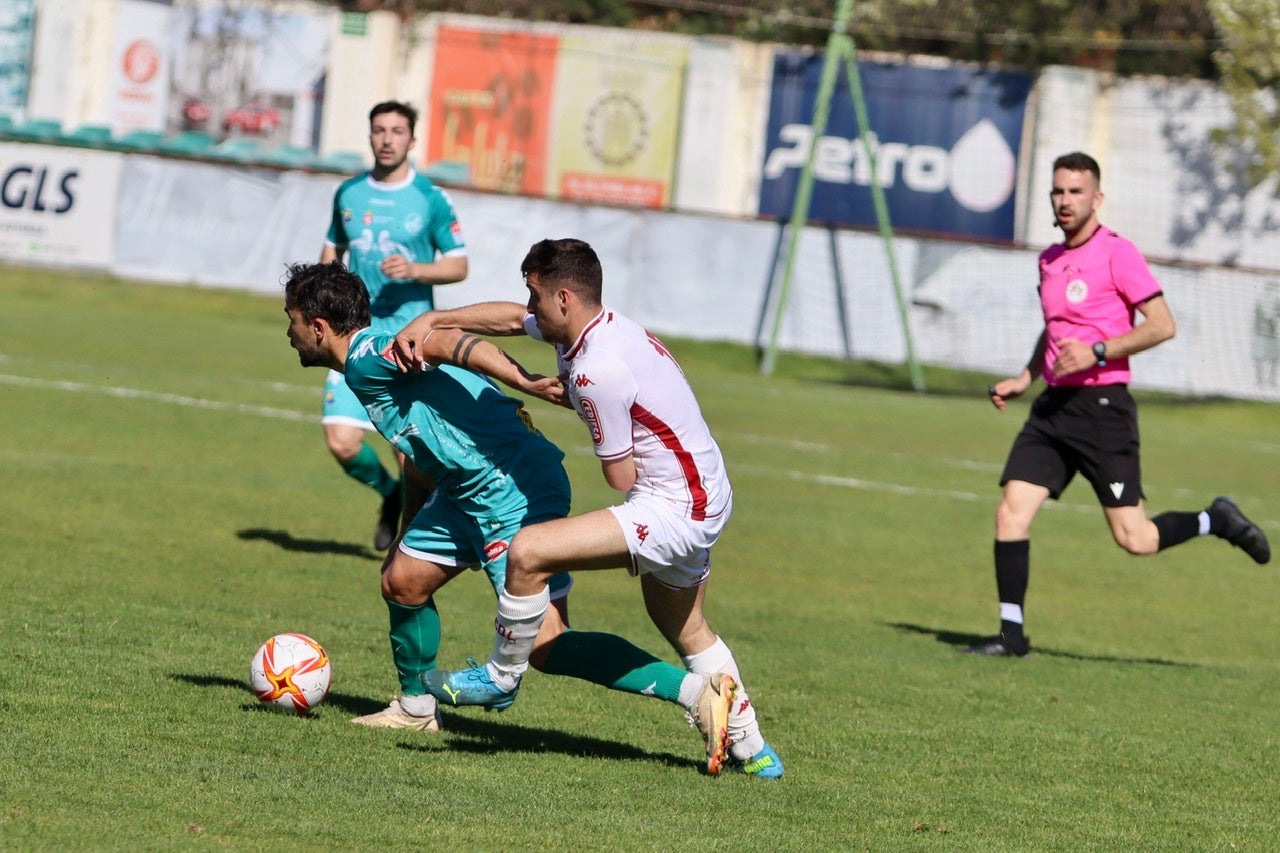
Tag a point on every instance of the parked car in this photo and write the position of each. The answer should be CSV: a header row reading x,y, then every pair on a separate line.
x,y
195,113
253,117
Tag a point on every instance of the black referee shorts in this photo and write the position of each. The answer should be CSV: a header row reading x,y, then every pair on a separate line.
x,y
1090,430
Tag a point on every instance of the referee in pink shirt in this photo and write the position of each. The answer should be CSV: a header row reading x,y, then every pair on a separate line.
x,y
1092,285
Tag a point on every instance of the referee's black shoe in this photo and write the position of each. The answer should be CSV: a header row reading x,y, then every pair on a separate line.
x,y
1001,646
1237,529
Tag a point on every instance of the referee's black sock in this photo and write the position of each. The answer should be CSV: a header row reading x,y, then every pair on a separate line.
x,y
1013,569
1174,528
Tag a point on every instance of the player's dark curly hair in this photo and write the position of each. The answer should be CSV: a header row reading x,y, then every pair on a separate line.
x,y
1078,161
330,291
399,108
568,263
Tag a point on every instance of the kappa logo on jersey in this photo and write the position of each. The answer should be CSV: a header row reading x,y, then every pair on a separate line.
x,y
592,419
1077,290
494,550
582,380
642,531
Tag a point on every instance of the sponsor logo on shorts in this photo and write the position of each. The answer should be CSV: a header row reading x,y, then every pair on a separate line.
x,y
494,550
642,532
1117,489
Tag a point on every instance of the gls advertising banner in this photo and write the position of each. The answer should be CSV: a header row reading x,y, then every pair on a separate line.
x,y
946,143
58,205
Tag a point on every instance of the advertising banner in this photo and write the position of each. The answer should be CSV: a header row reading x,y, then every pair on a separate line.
x,y
946,144
15,55
491,106
139,90
58,205
617,108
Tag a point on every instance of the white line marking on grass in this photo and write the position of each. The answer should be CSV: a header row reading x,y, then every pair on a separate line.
x,y
796,476
158,397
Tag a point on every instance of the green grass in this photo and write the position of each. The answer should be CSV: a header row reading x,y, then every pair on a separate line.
x,y
166,503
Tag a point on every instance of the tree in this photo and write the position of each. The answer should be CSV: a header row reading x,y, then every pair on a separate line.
x,y
1249,66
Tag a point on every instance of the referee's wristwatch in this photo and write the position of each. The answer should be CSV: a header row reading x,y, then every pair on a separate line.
x,y
1100,353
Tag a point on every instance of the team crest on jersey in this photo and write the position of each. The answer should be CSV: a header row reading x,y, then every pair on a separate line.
x,y
368,217
376,414
1077,290
413,224
592,419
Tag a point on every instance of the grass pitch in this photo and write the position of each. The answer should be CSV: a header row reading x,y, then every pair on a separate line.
x,y
167,503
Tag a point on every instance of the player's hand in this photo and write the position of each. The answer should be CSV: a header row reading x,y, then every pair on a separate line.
x,y
1007,389
397,267
546,388
1073,356
409,343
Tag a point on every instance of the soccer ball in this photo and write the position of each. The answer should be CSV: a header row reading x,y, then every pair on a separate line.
x,y
291,671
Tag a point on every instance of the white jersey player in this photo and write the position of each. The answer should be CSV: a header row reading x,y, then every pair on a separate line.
x,y
653,444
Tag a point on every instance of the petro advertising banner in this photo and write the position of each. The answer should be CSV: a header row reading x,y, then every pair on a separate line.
x,y
58,205
946,144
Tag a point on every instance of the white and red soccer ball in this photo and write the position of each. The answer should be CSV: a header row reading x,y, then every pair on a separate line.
x,y
291,671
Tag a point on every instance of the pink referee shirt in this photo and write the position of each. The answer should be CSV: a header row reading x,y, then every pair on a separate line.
x,y
1090,293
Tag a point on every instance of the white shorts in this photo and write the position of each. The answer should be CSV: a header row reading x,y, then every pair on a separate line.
x,y
667,544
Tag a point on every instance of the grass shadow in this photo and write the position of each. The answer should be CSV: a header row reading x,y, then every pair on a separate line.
x,y
286,541
356,706
471,734
960,640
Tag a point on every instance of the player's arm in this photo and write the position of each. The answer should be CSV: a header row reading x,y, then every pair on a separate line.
x,y
455,346
499,319
1016,386
447,269
1157,328
330,253
620,473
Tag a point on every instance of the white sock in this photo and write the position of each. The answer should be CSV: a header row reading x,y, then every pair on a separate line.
x,y
519,619
419,706
690,689
745,739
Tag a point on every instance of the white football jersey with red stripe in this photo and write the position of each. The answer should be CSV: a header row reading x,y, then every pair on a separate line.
x,y
635,400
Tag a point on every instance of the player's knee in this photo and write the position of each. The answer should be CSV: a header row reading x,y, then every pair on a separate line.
x,y
524,558
1136,540
403,589
1012,523
343,446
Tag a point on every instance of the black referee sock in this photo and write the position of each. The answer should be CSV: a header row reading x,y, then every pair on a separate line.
x,y
1013,570
1174,528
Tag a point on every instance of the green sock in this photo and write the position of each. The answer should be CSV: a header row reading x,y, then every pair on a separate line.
x,y
610,661
415,642
368,469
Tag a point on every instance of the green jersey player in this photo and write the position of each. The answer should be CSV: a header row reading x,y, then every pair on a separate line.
x,y
401,236
493,472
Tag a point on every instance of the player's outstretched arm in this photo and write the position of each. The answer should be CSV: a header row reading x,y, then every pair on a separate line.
x,y
500,319
455,346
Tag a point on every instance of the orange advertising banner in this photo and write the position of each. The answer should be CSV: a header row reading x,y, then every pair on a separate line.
x,y
491,106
